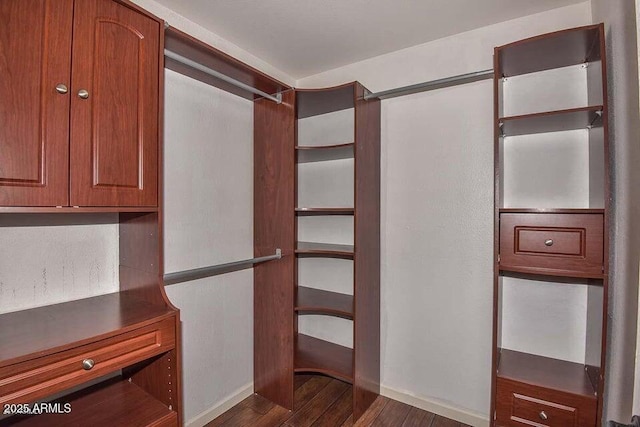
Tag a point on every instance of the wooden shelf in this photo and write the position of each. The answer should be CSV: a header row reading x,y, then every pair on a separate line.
x,y
31,333
324,211
189,47
545,372
553,210
552,121
114,403
314,102
69,209
324,250
323,153
317,301
316,355
547,51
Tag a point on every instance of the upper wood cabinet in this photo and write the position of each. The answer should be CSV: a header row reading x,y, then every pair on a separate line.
x,y
81,131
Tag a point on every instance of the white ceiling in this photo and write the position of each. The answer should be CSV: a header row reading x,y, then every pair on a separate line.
x,y
306,37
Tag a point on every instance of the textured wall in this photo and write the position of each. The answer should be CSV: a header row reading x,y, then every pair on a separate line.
x,y
619,18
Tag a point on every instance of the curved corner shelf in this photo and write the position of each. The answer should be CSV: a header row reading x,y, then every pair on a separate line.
x,y
308,154
316,355
317,301
324,211
552,121
324,250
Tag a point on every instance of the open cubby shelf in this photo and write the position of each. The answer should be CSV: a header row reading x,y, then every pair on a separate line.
x,y
316,355
112,403
317,301
26,334
308,154
552,121
324,211
545,372
552,210
555,50
324,250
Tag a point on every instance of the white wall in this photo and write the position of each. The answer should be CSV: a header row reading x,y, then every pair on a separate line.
x,y
619,17
48,259
437,213
209,220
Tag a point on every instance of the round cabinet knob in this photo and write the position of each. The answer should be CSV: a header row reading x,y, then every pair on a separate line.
x,y
548,242
87,364
83,94
62,89
543,416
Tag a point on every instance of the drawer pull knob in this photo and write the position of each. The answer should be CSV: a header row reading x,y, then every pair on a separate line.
x,y
83,93
87,364
543,416
62,89
548,242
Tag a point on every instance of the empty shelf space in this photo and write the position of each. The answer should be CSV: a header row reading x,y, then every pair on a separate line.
x,y
552,121
554,211
324,211
324,250
112,403
308,154
316,355
317,301
30,332
547,51
545,372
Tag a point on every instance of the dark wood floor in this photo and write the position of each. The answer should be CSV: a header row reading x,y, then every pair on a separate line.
x,y
326,402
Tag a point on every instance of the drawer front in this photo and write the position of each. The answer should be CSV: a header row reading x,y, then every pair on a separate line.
x,y
525,405
37,378
553,244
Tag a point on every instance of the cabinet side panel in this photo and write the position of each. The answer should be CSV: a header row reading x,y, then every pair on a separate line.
x,y
366,384
35,57
274,205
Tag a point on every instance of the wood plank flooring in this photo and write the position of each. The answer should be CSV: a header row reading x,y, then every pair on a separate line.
x,y
326,402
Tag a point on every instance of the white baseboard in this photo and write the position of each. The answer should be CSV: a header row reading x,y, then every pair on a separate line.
x,y
439,408
220,408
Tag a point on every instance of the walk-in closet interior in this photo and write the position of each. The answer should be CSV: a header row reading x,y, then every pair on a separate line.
x,y
265,213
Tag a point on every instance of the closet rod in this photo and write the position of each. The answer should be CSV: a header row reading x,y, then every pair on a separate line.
x,y
432,85
214,270
188,62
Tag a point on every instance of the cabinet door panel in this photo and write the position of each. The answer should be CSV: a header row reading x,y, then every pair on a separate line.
x,y
35,57
114,137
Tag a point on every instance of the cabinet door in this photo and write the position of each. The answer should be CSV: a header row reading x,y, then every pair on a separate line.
x,y
114,106
35,57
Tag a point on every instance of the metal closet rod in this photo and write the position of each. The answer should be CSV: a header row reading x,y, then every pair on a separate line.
x,y
432,85
186,61
214,270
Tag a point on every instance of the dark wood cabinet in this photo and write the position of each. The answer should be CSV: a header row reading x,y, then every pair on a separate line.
x,y
81,131
551,230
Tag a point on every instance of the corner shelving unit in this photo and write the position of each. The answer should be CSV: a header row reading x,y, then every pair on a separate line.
x,y
551,222
339,153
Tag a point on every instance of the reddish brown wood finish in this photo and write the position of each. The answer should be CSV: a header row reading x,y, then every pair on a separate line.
x,y
55,372
547,51
316,355
324,250
520,404
194,49
366,327
324,211
116,403
323,153
70,210
576,248
314,102
317,301
34,121
114,133
274,204
552,121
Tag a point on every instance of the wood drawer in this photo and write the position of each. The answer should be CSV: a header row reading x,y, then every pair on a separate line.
x,y
519,404
552,244
40,377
